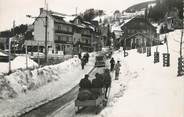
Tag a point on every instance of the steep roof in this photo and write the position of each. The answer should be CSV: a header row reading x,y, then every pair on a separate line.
x,y
139,19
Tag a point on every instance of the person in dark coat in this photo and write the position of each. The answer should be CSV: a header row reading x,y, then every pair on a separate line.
x,y
112,62
87,57
117,70
84,59
85,89
79,55
97,82
107,81
97,86
85,83
82,63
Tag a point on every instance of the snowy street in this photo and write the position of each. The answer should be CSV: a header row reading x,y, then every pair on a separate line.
x,y
143,89
96,58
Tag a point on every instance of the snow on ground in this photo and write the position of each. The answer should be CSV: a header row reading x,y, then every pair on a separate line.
x,y
33,88
17,63
157,91
144,89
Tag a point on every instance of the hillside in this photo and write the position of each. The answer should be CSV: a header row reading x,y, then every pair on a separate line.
x,y
139,6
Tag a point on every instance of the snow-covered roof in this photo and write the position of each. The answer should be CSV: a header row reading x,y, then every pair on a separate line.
x,y
92,28
115,28
57,14
86,22
81,25
69,18
126,21
2,54
98,18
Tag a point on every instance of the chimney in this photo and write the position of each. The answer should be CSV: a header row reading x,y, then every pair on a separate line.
x,y
41,10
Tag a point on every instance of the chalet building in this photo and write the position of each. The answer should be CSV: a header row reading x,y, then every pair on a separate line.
x,y
138,32
65,34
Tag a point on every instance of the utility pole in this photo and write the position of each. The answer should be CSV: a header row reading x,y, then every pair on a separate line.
x,y
9,57
76,10
181,41
14,37
26,58
46,20
46,25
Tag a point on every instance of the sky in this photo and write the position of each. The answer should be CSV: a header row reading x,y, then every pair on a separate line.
x,y
18,9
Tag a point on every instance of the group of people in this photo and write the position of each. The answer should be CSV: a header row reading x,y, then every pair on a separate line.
x,y
91,90
115,67
83,59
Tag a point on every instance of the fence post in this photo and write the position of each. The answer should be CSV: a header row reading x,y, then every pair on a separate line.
x,y
180,66
166,60
148,51
156,57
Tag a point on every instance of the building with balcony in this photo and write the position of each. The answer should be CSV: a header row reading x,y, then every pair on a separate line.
x,y
138,32
59,33
66,34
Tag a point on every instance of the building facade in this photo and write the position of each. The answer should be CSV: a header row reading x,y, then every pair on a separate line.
x,y
138,32
66,34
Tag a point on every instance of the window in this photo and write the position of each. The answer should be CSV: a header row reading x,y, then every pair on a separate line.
x,y
67,38
77,21
59,37
59,27
67,29
58,48
70,39
64,38
87,41
68,46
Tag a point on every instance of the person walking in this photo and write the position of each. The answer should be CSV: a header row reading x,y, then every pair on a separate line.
x,y
79,55
87,57
112,62
117,69
82,63
107,81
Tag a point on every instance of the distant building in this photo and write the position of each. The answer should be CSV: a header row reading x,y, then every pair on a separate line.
x,y
138,32
170,22
82,34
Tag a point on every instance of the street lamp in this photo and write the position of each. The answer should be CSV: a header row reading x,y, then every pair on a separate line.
x,y
46,20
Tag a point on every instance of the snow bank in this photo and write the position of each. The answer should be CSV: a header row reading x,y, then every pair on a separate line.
x,y
36,87
18,63
22,81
